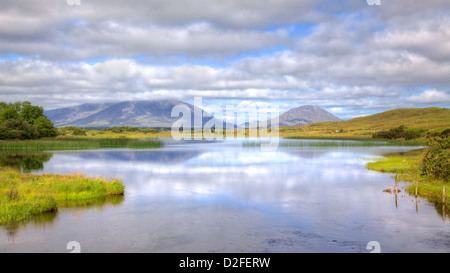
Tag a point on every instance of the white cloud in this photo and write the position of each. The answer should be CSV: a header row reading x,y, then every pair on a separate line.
x,y
430,96
362,59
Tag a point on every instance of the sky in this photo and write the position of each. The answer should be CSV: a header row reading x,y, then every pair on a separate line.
x,y
348,57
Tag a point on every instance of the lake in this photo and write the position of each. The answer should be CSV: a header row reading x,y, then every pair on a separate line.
x,y
222,196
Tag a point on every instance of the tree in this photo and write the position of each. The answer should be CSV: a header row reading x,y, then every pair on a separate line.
x,y
20,128
45,127
31,113
8,113
21,120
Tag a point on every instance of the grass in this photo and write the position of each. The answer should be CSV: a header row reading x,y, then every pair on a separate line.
x,y
424,118
337,142
25,195
77,143
407,166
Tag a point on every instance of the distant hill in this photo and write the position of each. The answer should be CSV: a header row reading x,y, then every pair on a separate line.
x,y
306,114
426,118
69,115
127,113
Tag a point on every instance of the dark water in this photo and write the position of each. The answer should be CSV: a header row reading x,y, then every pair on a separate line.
x,y
223,197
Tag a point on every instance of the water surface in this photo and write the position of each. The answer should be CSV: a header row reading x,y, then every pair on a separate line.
x,y
226,197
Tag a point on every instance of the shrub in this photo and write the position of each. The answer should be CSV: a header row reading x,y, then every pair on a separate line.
x,y
78,132
400,132
436,160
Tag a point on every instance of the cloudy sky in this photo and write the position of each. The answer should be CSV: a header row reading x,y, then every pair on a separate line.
x,y
349,57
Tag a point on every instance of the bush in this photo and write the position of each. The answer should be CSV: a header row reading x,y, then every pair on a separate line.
x,y
6,133
414,133
78,132
436,160
400,132
21,129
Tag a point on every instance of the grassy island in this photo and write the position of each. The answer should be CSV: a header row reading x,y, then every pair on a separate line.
x,y
25,195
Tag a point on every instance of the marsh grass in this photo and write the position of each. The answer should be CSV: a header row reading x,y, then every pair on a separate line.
x,y
352,141
332,142
25,195
77,143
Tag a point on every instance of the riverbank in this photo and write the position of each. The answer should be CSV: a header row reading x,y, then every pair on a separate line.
x,y
24,195
407,167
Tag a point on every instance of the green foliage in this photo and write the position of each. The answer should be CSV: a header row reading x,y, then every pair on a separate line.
x,y
414,133
400,132
78,132
21,120
436,160
20,129
8,113
443,133
45,127
31,113
121,129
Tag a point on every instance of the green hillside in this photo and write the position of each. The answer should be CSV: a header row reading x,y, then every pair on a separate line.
x,y
424,118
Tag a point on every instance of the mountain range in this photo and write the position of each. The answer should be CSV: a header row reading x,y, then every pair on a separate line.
x,y
158,114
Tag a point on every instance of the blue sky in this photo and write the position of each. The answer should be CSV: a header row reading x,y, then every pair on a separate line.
x,y
345,56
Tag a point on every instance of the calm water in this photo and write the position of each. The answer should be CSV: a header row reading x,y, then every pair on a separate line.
x,y
223,197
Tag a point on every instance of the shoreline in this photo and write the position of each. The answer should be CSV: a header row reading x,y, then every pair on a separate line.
x,y
405,167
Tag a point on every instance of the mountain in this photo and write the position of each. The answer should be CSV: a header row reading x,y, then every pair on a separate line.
x,y
306,114
127,113
68,115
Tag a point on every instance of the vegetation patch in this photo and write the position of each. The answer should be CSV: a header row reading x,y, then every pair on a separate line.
x,y
77,143
347,142
21,120
400,132
25,195
429,169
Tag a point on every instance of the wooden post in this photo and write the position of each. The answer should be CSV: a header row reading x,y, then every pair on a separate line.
x,y
443,194
416,187
417,205
395,189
